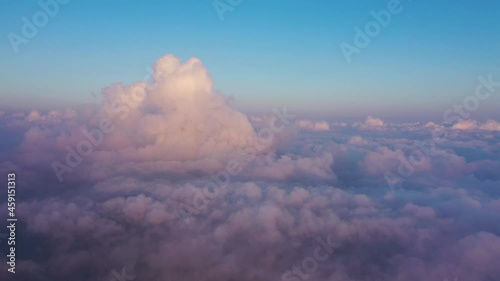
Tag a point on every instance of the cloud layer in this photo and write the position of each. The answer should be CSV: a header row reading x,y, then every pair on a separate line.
x,y
178,185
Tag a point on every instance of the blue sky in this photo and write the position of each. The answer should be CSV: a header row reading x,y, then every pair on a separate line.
x,y
264,53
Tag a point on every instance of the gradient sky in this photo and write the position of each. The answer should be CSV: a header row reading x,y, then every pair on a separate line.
x,y
264,53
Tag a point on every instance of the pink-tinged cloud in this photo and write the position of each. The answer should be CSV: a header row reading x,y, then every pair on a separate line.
x,y
371,123
490,125
185,187
312,125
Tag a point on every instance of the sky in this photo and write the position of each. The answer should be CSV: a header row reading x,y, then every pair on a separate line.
x,y
275,141
262,53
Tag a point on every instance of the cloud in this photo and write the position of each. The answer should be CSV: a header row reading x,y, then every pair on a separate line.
x,y
339,124
357,140
178,116
465,125
490,125
371,123
313,125
432,125
52,117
